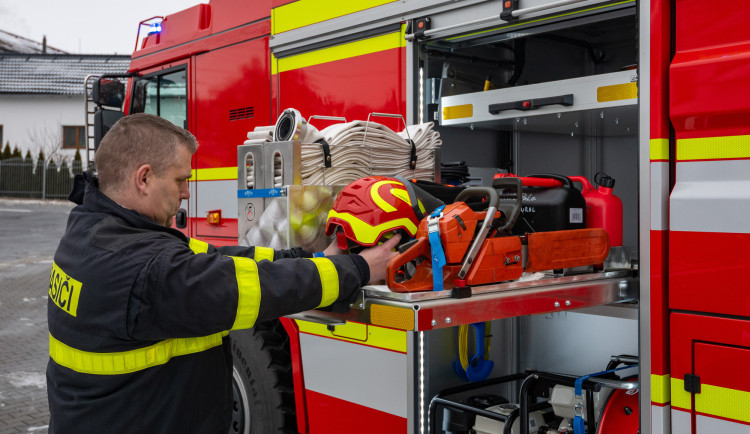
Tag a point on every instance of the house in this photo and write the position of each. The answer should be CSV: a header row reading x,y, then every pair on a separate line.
x,y
42,104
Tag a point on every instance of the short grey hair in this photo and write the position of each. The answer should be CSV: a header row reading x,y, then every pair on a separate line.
x,y
136,140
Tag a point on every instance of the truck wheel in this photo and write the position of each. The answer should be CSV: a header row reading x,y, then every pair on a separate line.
x,y
262,381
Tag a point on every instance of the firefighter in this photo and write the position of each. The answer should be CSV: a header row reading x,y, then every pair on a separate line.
x,y
139,314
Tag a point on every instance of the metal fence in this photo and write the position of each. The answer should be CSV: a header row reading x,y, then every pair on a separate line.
x,y
41,180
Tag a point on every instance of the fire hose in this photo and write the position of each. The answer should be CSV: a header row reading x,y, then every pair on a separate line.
x,y
345,152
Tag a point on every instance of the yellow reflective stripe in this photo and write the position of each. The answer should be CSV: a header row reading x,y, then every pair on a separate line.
x,y
523,23
248,286
680,398
198,246
339,52
391,316
306,12
274,65
723,402
126,362
367,234
214,174
329,281
378,337
263,253
617,92
659,149
713,148
660,388
458,111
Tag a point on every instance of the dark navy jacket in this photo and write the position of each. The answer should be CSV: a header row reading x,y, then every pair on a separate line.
x,y
139,315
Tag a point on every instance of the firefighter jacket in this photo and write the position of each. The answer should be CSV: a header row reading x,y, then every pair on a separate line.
x,y
139,317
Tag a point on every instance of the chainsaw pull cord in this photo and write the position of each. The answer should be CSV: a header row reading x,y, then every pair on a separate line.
x,y
436,248
578,422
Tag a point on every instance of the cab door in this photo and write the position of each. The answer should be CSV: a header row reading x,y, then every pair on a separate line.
x,y
164,93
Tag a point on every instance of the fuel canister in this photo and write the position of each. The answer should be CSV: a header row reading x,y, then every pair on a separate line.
x,y
603,208
550,203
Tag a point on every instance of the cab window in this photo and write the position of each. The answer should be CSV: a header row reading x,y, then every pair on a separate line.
x,y
164,95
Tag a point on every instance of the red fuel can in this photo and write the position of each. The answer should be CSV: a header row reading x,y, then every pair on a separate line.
x,y
603,208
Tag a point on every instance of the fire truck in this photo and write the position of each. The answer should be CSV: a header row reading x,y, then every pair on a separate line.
x,y
650,92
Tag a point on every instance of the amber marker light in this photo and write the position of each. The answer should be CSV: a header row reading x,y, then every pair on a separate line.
x,y
214,217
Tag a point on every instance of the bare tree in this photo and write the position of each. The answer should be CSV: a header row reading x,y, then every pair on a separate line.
x,y
48,142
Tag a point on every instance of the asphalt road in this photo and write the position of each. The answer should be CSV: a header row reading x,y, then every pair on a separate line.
x,y
29,233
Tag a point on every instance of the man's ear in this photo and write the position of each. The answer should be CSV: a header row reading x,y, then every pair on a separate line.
x,y
143,177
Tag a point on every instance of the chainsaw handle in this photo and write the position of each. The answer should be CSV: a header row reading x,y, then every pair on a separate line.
x,y
494,198
509,185
479,191
421,247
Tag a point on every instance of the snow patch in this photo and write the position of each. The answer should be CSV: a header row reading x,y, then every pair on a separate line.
x,y
27,379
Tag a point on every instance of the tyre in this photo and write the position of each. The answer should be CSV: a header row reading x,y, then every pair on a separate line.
x,y
262,381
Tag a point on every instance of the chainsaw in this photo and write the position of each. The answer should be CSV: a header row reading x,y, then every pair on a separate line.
x,y
474,247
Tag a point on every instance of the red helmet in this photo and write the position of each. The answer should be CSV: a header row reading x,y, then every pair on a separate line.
x,y
371,208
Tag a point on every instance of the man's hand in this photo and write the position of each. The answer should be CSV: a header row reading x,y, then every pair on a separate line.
x,y
377,258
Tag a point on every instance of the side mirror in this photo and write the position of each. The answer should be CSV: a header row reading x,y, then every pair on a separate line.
x,y
103,121
108,91
180,220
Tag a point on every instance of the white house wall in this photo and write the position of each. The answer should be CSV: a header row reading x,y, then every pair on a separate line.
x,y
24,117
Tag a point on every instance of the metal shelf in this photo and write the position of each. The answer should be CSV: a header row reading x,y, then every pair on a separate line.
x,y
422,311
557,106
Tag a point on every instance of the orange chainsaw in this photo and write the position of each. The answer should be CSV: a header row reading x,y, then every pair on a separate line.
x,y
474,248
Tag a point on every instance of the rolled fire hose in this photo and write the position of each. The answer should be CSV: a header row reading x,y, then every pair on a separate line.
x,y
355,149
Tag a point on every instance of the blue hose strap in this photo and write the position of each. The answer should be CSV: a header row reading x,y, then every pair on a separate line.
x,y
437,253
319,255
579,426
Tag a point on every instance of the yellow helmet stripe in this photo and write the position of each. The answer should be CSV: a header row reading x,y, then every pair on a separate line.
x,y
379,201
368,234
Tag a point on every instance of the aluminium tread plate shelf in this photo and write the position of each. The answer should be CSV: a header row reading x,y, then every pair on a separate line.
x,y
434,310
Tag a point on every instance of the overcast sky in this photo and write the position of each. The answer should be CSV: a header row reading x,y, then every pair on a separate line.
x,y
84,26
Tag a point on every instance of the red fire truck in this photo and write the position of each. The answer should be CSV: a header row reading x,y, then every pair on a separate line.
x,y
650,92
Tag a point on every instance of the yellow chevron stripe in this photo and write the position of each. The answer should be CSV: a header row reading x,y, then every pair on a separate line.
x,y
343,51
306,12
378,337
713,148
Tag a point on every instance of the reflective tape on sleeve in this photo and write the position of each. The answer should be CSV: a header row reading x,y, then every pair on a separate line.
x,y
198,246
263,253
329,281
126,362
248,297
